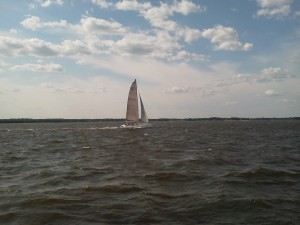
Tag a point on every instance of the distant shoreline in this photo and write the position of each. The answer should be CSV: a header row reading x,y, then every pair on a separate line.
x,y
61,120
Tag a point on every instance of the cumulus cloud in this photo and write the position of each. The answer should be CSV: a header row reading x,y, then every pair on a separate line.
x,y
13,31
47,3
158,16
186,56
274,8
52,67
95,35
99,36
178,90
237,79
102,3
101,27
186,7
271,93
159,45
266,75
196,90
225,38
274,74
132,5
189,35
77,89
34,23
36,47
138,44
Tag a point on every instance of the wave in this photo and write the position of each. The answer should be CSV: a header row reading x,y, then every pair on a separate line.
x,y
167,176
166,196
121,189
108,128
264,172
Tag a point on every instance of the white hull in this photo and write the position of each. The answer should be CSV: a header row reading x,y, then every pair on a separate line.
x,y
136,126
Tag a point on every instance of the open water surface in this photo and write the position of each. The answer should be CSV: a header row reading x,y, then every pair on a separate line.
x,y
181,172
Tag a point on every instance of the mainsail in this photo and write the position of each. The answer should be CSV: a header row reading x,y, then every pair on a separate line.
x,y
144,117
132,114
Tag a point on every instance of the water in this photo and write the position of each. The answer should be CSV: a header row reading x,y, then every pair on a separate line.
x,y
203,172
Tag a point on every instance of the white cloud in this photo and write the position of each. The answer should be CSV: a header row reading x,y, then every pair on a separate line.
x,y
34,23
15,47
237,79
47,85
194,90
2,64
52,67
160,45
36,47
266,75
132,5
31,6
178,90
274,8
285,100
138,44
189,35
271,93
101,27
59,2
47,3
158,16
230,103
74,87
274,74
186,56
73,48
225,38
186,7
102,3
13,31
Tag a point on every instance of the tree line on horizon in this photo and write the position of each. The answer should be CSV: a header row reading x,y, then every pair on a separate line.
x,y
58,120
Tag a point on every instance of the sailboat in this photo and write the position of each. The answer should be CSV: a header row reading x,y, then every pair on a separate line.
x,y
132,113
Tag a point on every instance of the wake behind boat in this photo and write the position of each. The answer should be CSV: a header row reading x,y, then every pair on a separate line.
x,y
132,113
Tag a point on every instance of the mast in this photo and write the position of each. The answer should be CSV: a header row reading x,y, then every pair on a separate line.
x,y
132,114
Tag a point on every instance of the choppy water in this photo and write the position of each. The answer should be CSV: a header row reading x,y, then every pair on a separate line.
x,y
204,172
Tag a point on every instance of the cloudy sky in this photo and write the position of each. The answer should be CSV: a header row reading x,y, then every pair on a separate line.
x,y
200,58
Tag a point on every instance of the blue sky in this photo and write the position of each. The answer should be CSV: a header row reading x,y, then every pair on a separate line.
x,y
77,59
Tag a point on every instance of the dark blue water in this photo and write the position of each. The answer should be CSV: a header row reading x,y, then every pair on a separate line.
x,y
182,172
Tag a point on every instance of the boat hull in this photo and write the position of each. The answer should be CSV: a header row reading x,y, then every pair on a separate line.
x,y
136,126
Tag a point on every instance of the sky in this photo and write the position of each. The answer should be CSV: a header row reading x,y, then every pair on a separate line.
x,y
191,58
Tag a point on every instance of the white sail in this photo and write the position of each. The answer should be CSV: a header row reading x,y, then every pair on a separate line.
x,y
144,117
132,114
